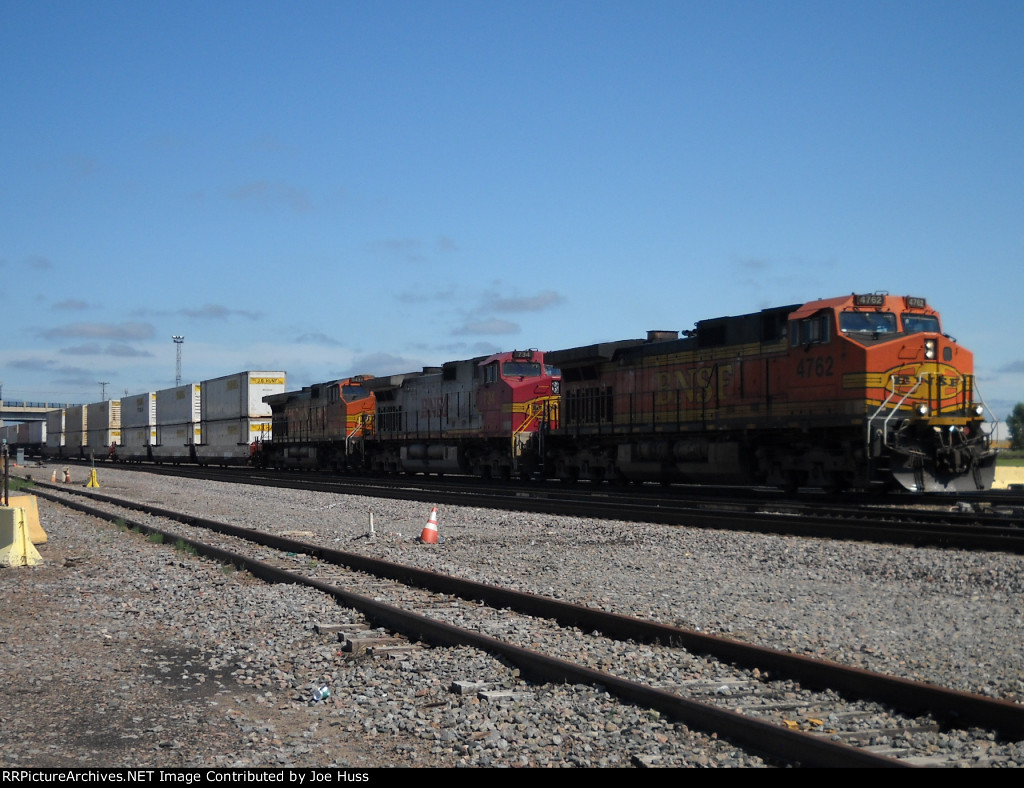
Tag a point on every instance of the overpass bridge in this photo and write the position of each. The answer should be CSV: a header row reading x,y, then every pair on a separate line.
x,y
13,410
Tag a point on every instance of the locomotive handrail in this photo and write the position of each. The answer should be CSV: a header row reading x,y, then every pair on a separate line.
x,y
893,412
361,422
994,435
533,411
873,416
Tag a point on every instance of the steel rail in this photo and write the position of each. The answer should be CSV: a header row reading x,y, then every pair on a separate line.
x,y
946,530
772,741
953,707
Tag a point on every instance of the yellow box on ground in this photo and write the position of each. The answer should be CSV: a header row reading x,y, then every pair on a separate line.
x,y
1007,475
16,549
31,506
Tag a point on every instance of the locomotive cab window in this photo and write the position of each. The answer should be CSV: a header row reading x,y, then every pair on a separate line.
x,y
491,373
520,369
813,330
867,323
916,324
355,393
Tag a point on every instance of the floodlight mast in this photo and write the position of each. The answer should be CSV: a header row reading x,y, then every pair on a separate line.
x,y
178,340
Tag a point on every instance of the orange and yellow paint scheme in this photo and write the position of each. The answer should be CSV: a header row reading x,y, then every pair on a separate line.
x,y
839,392
321,426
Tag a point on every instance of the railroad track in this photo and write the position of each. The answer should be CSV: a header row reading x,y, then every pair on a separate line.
x,y
933,521
790,708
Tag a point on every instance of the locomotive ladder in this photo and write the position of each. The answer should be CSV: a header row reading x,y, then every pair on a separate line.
x,y
364,421
538,411
893,412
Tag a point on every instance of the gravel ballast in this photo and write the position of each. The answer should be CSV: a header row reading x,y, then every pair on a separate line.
x,y
122,652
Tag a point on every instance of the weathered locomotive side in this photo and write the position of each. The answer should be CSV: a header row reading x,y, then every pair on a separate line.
x,y
322,426
841,392
484,416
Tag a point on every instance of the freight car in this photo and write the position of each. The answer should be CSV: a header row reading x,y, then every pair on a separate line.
x,y
485,416
843,392
213,422
234,415
29,437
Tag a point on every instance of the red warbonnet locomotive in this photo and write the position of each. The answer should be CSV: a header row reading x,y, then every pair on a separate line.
x,y
486,416
841,392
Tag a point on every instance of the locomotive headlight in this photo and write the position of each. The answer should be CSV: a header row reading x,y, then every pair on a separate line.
x,y
921,409
929,349
978,410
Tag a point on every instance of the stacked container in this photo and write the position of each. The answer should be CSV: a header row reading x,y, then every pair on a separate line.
x,y
9,434
36,434
234,415
104,422
138,426
177,423
55,436
76,436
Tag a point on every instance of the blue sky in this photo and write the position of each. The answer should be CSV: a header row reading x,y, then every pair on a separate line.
x,y
332,188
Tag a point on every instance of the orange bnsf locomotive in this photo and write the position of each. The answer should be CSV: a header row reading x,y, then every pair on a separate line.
x,y
486,416
321,426
841,392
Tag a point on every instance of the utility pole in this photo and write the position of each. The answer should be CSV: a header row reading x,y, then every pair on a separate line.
x,y
103,390
178,340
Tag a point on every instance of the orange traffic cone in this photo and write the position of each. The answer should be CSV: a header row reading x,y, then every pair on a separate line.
x,y
429,535
53,476
67,476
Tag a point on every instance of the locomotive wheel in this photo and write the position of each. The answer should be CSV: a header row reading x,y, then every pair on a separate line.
x,y
791,482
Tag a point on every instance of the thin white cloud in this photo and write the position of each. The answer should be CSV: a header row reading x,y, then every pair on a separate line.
x,y
317,338
383,364
71,304
267,196
216,312
40,263
116,349
122,331
493,326
536,303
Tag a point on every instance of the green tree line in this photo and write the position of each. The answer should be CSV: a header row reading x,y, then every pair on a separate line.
x,y
1015,421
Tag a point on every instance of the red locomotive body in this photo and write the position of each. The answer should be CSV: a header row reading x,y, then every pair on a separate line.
x,y
321,426
485,416
839,392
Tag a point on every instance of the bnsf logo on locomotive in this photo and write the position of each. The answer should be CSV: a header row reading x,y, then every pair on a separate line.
x,y
432,406
698,384
904,378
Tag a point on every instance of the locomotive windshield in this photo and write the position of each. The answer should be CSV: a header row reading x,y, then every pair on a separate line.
x,y
867,323
353,393
915,324
520,369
